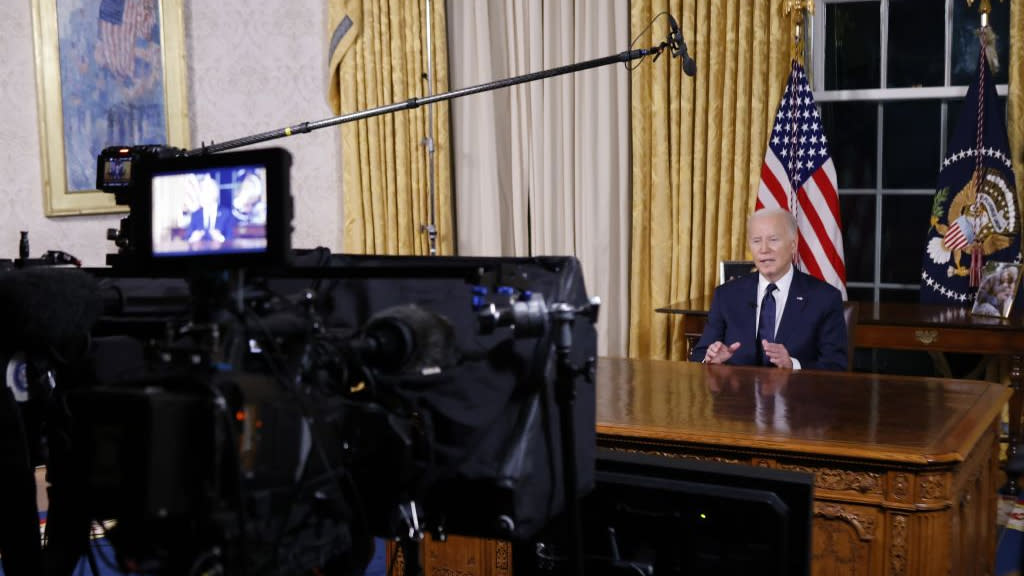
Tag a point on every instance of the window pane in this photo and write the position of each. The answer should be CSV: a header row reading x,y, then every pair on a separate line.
x,y
965,41
853,47
917,31
904,227
916,37
858,220
899,295
851,129
860,294
910,150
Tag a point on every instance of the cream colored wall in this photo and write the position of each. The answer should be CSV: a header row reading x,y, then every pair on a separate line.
x,y
252,67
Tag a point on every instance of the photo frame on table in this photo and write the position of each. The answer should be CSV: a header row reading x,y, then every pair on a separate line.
x,y
997,290
729,269
108,73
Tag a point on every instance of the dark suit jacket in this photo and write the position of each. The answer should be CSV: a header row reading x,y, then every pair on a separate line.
x,y
812,328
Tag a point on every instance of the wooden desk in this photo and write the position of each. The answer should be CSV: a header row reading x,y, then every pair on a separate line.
x,y
905,468
912,326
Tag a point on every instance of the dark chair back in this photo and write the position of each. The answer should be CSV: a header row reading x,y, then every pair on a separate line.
x,y
850,315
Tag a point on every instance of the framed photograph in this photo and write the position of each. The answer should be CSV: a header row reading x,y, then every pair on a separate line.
x,y
108,73
729,269
998,289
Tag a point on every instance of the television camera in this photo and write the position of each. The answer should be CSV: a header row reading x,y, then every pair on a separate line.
x,y
243,408
235,406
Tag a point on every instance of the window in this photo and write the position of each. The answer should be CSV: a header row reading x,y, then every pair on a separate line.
x,y
890,76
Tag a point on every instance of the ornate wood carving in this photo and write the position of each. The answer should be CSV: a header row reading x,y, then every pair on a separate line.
x,y
677,455
864,525
399,561
502,552
933,486
836,479
838,549
901,486
446,571
898,546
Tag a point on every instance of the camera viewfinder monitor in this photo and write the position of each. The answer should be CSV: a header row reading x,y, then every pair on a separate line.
x,y
229,210
674,517
691,517
115,170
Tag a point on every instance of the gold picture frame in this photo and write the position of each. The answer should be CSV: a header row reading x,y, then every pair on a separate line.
x,y
997,290
729,269
99,56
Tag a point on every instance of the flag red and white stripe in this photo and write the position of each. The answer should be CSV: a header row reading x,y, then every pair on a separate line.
x,y
121,22
798,175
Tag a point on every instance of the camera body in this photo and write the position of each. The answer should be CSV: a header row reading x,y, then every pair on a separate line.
x,y
276,420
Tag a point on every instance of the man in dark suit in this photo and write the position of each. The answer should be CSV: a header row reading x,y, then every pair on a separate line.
x,y
778,316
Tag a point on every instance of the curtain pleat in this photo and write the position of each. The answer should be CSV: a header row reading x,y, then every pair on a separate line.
x,y
543,167
378,58
698,145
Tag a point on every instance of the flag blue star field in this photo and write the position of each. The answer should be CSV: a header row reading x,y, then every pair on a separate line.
x,y
974,218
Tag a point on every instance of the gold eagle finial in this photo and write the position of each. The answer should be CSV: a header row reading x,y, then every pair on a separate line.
x,y
795,10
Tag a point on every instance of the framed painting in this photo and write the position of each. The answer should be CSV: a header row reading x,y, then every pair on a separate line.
x,y
108,73
997,290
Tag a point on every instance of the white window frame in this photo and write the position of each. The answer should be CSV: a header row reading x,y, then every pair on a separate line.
x,y
815,53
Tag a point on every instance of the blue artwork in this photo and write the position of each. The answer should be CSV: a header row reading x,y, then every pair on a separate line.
x,y
112,82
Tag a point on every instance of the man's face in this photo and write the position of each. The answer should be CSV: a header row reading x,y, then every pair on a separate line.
x,y
772,245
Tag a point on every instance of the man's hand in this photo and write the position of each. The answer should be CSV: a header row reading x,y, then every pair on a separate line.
x,y
719,353
777,354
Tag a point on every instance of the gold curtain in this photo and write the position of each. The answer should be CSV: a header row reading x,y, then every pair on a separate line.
x,y
698,144
1015,99
377,58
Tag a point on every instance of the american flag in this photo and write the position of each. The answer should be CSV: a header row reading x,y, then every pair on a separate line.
x,y
121,22
798,160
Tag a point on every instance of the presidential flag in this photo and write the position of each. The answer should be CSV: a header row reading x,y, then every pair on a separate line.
x,y
798,175
974,217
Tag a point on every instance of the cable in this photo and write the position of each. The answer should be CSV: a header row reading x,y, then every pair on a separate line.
x,y
284,379
637,37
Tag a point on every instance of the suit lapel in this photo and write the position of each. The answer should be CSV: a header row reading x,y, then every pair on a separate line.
x,y
749,327
795,303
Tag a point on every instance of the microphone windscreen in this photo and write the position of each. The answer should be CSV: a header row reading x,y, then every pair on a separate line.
x,y
48,311
689,66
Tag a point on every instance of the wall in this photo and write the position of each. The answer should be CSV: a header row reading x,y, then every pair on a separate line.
x,y
251,68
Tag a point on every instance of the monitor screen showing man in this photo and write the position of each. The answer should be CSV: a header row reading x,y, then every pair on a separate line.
x,y
778,316
220,209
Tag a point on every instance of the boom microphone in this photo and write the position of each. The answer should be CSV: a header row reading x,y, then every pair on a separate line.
x,y
679,47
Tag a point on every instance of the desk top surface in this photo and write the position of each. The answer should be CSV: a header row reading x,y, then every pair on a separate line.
x,y
890,314
845,415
